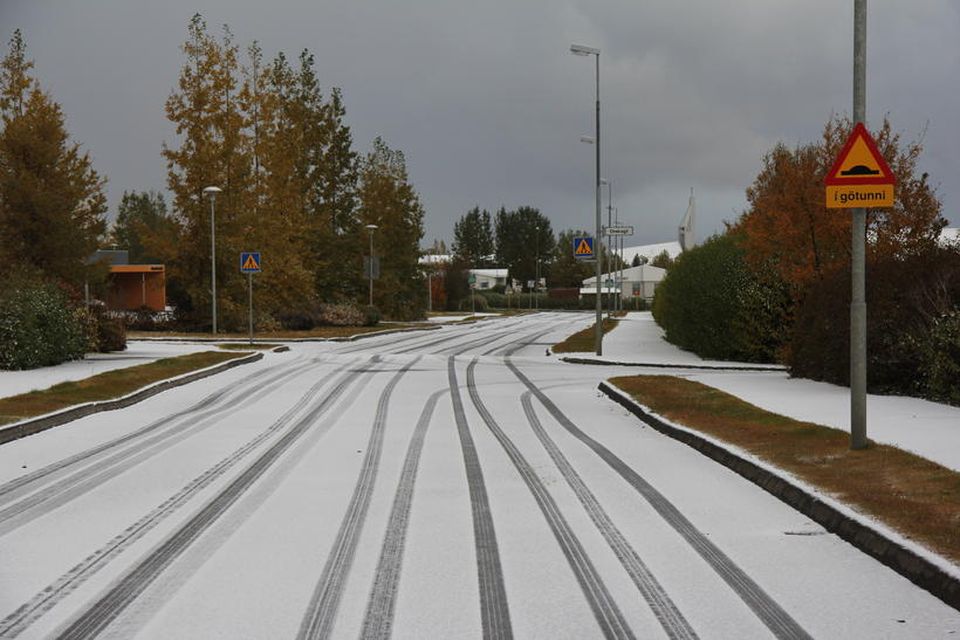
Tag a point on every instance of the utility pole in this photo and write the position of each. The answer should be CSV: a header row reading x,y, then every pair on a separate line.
x,y
858,299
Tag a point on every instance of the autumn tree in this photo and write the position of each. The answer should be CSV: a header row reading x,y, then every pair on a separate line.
x,y
473,238
214,150
388,200
787,225
280,122
52,204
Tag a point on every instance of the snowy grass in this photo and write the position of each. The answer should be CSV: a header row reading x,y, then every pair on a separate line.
x,y
583,341
106,386
910,494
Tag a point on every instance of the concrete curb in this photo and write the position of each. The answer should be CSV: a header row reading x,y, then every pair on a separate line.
x,y
31,426
661,365
922,571
358,336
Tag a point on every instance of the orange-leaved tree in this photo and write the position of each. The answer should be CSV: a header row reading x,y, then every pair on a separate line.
x,y
788,227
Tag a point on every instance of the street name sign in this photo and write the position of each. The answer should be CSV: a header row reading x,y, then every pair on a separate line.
x,y
618,230
250,262
860,177
583,248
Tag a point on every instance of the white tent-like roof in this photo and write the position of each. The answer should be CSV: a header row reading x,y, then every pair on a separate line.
x,y
651,251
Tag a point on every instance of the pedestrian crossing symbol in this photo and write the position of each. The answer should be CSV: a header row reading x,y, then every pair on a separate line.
x,y
249,262
583,248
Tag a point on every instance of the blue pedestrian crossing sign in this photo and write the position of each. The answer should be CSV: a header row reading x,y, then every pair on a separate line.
x,y
583,248
249,262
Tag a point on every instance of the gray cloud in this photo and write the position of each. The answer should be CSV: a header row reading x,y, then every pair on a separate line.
x,y
488,105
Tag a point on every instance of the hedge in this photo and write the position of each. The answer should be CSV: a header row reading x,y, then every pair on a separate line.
x,y
712,304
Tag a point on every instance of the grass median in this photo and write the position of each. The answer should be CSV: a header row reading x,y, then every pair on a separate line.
x,y
917,497
106,386
584,341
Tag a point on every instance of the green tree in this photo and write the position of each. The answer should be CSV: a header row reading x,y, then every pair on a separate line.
x,y
565,270
473,238
388,200
142,222
521,235
662,260
52,205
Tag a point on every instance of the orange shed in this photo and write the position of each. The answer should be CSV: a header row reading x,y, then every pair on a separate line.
x,y
133,286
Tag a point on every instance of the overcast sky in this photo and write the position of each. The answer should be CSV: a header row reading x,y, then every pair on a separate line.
x,y
488,104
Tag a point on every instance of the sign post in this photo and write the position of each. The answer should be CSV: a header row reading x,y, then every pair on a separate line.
x,y
250,264
859,177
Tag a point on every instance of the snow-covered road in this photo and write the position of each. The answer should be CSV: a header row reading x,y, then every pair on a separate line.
x,y
456,483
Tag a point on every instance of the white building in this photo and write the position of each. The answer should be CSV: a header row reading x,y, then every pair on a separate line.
x,y
489,278
638,282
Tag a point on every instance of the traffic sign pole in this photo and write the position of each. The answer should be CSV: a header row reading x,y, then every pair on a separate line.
x,y
858,300
250,298
250,264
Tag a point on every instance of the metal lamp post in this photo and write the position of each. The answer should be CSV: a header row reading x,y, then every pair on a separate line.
x,y
581,50
371,228
610,242
212,192
536,272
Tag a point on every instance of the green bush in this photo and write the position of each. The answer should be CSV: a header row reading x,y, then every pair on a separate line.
x,y
913,327
371,316
494,299
39,327
712,304
479,303
106,331
343,314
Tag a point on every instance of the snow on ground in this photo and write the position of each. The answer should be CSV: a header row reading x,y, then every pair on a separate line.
x,y
926,428
456,318
639,340
138,352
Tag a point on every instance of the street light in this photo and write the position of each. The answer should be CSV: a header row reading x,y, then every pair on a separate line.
x,y
371,228
536,271
212,192
581,50
609,241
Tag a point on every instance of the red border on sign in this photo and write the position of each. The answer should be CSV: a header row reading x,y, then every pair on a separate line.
x,y
886,177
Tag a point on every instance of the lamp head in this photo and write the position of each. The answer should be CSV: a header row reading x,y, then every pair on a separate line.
x,y
582,50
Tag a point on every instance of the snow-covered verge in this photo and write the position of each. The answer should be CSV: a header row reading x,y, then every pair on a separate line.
x,y
37,424
918,564
929,429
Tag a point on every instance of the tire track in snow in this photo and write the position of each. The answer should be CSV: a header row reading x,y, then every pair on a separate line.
x,y
666,612
494,608
101,613
321,613
605,609
24,484
378,621
74,485
32,610
778,621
